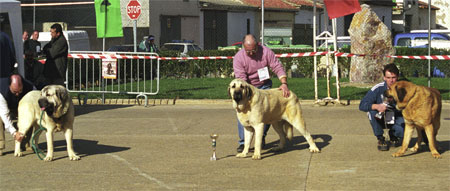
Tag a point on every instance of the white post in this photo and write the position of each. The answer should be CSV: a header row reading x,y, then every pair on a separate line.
x,y
429,42
134,34
262,22
336,60
315,50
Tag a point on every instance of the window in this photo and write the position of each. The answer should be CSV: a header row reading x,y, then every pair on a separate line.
x,y
404,42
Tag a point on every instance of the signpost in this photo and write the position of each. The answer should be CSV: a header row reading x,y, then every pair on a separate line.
x,y
133,12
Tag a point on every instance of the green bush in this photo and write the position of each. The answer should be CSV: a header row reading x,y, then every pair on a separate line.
x,y
183,69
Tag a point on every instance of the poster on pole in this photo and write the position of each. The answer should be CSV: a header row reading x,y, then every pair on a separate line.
x,y
109,68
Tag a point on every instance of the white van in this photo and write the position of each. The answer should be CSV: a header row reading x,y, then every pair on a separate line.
x,y
77,40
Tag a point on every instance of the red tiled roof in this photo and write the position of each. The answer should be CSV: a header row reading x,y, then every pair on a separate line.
x,y
423,5
309,3
274,4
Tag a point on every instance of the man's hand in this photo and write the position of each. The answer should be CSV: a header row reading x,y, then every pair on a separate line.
x,y
18,136
381,107
285,90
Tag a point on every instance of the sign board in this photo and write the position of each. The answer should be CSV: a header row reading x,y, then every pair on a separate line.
x,y
109,68
134,9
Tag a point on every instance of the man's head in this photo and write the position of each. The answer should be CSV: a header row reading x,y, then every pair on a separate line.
x,y
25,35
15,84
391,74
250,45
151,39
35,35
56,30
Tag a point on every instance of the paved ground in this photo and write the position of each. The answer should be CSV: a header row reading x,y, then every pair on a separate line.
x,y
167,147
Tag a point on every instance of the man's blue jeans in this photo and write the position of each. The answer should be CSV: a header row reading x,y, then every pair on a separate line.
x,y
397,128
266,85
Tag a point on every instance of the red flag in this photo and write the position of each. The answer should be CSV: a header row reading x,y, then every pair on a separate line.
x,y
339,8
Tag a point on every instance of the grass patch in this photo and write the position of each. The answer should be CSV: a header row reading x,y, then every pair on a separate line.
x,y
216,88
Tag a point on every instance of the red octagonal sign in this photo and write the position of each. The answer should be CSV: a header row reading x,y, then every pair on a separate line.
x,y
133,9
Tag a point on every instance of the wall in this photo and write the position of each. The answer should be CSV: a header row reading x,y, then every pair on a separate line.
x,y
237,25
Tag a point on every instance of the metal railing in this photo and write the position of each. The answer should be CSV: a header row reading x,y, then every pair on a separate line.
x,y
113,73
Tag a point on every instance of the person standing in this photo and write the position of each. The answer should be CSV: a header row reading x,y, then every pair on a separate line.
x,y
148,45
7,56
251,64
377,110
25,36
56,52
33,44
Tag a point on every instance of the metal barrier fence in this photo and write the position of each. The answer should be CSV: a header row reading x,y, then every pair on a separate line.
x,y
114,73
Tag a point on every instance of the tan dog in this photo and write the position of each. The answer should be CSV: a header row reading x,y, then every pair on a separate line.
x,y
58,116
421,108
256,107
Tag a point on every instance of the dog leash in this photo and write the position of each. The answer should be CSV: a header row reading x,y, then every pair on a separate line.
x,y
36,150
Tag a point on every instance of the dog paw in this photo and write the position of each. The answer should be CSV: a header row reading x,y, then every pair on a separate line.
x,y
256,157
276,149
436,155
241,155
397,154
18,154
74,157
48,158
414,149
314,150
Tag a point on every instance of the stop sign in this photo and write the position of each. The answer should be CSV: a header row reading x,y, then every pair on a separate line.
x,y
133,9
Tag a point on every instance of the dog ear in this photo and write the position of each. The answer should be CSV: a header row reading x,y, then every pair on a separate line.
x,y
249,92
44,91
63,95
229,94
401,93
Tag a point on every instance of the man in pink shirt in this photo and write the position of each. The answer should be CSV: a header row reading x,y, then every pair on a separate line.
x,y
251,64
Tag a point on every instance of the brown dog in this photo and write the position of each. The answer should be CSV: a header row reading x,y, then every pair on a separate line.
x,y
421,108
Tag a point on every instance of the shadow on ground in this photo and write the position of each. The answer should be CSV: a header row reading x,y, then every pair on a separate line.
x,y
82,147
85,109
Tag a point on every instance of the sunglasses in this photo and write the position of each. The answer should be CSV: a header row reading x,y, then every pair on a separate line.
x,y
252,51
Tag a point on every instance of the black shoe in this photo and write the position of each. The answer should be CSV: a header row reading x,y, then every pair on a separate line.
x,y
240,148
396,142
383,145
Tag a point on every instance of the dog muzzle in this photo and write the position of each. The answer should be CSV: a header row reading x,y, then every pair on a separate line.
x,y
237,96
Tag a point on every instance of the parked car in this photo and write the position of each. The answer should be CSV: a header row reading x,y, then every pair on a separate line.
x,y
342,42
234,46
420,40
121,48
181,46
77,40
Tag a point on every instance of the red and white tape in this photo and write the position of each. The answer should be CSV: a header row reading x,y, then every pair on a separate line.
x,y
286,55
197,58
108,56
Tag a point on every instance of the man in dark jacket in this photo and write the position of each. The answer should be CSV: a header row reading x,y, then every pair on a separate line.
x,y
33,44
7,57
378,110
56,54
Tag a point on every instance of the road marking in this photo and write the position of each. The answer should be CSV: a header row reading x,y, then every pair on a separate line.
x,y
139,171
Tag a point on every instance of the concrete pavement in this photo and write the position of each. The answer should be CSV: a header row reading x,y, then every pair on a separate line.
x,y
167,147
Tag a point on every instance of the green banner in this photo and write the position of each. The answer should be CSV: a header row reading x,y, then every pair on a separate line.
x,y
109,19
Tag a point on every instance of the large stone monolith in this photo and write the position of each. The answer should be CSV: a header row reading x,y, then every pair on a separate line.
x,y
369,36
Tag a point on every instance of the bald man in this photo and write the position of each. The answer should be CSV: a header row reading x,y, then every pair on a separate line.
x,y
252,64
12,89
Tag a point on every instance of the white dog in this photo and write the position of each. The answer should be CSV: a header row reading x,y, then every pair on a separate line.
x,y
58,116
256,107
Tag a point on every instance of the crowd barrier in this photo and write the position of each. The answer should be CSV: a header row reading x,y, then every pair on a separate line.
x,y
112,73
138,73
